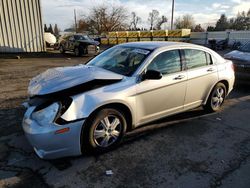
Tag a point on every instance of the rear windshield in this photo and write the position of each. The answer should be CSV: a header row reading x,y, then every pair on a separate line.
x,y
120,59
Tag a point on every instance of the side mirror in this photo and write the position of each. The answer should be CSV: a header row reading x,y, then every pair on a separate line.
x,y
152,75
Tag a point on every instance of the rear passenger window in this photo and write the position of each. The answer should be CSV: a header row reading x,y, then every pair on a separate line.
x,y
195,58
166,62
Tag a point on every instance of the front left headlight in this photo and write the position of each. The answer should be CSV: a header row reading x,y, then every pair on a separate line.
x,y
46,115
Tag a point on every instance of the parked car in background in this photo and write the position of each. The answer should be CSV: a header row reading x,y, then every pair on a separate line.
x,y
218,44
241,61
90,107
79,44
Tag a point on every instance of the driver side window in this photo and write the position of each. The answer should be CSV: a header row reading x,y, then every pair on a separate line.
x,y
167,62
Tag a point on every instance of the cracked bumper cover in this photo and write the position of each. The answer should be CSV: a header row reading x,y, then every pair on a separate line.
x,y
49,145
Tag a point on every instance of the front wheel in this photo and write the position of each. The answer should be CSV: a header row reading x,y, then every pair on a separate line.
x,y
216,98
103,131
61,49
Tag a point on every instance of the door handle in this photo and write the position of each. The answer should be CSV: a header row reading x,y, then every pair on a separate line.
x,y
210,70
179,77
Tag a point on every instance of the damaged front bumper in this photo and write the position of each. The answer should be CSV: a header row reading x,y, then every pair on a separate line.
x,y
51,140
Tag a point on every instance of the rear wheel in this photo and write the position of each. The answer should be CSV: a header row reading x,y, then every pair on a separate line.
x,y
216,98
103,131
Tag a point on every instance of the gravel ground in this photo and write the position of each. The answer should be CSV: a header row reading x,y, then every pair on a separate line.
x,y
193,149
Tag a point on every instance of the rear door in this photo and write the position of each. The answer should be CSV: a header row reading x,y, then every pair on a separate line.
x,y
158,98
201,74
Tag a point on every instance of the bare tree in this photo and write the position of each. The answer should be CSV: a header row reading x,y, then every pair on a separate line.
x,y
162,20
103,19
82,26
153,18
135,20
187,22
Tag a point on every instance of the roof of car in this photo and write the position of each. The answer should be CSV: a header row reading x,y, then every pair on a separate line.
x,y
155,44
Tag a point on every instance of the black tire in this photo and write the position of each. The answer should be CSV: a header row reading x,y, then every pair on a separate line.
x,y
61,49
216,98
79,51
95,143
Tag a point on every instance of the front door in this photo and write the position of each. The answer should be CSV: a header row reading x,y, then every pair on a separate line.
x,y
158,98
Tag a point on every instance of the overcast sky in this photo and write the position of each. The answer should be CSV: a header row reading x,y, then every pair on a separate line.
x,y
205,12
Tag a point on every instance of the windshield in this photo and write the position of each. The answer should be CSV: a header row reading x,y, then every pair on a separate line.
x,y
245,48
121,60
82,37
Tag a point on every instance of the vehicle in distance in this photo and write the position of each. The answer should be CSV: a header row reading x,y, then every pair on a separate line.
x,y
79,44
90,107
241,61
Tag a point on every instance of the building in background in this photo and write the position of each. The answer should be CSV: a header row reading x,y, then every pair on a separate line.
x,y
21,27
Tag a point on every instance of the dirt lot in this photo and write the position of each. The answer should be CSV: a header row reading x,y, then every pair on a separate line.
x,y
192,149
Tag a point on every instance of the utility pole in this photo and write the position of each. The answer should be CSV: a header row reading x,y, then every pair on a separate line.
x,y
75,20
172,18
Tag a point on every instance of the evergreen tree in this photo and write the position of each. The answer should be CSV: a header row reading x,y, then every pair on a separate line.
x,y
239,22
222,24
210,28
56,30
45,28
50,29
248,20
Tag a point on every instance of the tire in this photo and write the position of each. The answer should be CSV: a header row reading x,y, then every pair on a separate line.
x,y
216,98
61,49
79,51
98,135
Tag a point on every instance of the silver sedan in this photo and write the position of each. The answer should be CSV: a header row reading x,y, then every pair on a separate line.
x,y
89,108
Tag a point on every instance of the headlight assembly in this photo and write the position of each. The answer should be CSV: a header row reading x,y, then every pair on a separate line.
x,y
64,105
46,115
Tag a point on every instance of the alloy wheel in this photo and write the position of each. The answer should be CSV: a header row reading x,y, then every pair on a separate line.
x,y
107,131
218,97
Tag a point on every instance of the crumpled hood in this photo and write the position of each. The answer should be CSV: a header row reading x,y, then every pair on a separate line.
x,y
61,78
238,55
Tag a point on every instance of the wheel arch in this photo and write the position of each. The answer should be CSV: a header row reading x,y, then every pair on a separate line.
x,y
225,82
120,107
84,138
